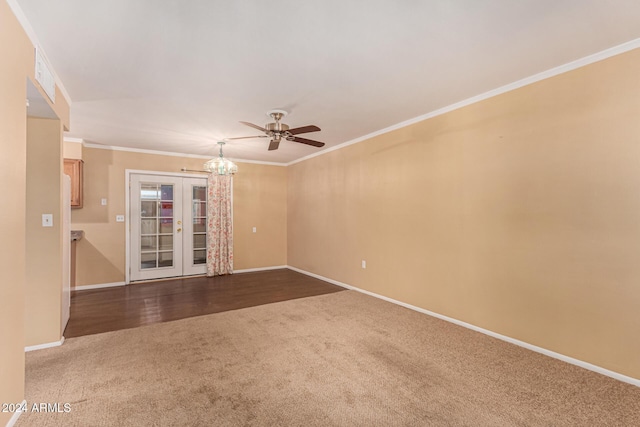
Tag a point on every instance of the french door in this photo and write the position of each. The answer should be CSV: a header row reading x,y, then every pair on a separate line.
x,y
168,226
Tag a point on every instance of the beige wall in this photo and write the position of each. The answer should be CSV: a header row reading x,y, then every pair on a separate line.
x,y
13,135
16,65
519,214
72,150
43,244
259,200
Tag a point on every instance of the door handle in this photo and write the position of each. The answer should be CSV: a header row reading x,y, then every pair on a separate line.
x,y
179,230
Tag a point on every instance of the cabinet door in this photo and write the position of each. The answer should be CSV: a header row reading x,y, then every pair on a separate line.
x,y
73,168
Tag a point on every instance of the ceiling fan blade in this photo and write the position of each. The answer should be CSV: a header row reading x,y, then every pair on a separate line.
x,y
307,141
254,126
246,137
304,129
273,145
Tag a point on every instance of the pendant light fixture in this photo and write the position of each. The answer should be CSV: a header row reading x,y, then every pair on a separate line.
x,y
220,165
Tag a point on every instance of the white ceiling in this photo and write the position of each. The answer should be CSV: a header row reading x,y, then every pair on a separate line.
x,y
178,75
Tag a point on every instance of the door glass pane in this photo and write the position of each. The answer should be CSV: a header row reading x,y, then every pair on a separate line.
x,y
165,242
199,193
166,192
149,226
199,241
148,260
166,226
148,208
199,225
199,257
148,243
199,201
149,191
165,259
166,209
199,209
199,212
156,225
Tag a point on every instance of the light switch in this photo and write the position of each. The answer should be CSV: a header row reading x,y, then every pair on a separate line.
x,y
103,202
255,230
364,264
119,218
47,220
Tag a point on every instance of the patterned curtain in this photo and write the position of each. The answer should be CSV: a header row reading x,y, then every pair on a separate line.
x,y
219,226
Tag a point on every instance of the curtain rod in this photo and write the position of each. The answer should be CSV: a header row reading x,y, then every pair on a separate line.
x,y
193,170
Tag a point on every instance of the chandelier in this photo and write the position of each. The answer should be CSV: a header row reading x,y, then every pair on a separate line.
x,y
220,165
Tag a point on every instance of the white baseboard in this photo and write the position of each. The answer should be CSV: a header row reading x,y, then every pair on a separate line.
x,y
571,360
14,418
46,345
115,284
251,270
98,286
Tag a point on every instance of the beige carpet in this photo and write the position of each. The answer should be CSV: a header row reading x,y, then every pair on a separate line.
x,y
337,359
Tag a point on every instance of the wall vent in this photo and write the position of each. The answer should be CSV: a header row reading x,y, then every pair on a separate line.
x,y
44,76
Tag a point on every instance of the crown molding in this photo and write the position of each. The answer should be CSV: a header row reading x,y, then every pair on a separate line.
x,y
166,153
570,66
258,162
144,151
74,140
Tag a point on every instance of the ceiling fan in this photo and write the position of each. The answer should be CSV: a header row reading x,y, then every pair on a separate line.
x,y
278,131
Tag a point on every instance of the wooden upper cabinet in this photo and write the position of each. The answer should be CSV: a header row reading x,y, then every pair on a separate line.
x,y
73,168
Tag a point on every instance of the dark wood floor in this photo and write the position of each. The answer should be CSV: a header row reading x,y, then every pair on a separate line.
x,y
124,307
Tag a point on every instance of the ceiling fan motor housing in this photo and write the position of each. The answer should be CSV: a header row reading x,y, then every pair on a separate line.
x,y
276,127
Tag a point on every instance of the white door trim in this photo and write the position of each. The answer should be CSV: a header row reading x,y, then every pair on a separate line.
x,y
127,208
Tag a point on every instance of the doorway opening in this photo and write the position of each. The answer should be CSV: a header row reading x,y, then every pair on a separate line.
x,y
167,226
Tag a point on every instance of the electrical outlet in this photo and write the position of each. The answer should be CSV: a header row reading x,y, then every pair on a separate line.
x,y
364,264
47,220
119,218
